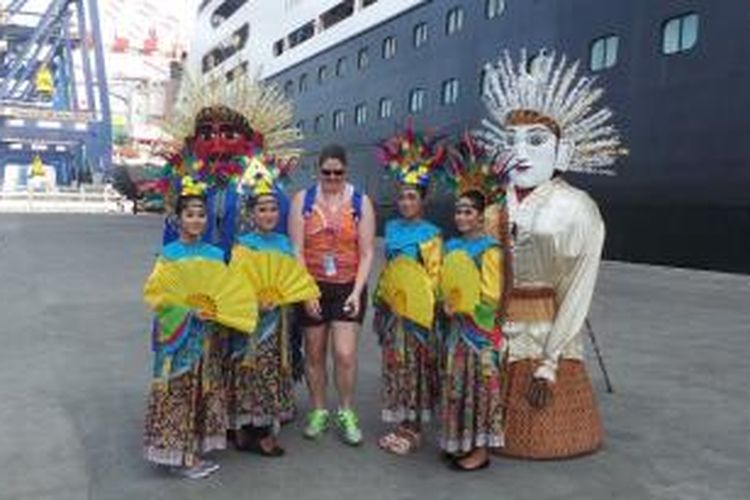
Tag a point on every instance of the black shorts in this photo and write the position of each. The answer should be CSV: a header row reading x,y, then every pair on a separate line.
x,y
332,299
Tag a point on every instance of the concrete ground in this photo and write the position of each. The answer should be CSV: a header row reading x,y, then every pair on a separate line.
x,y
74,366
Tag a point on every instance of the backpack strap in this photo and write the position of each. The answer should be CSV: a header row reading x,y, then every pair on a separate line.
x,y
309,201
312,192
357,204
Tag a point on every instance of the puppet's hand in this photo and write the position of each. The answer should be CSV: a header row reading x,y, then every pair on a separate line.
x,y
539,394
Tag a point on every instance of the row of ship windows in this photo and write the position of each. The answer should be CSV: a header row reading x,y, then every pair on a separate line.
x,y
417,103
454,22
679,34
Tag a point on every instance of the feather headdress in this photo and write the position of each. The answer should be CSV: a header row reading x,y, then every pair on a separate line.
x,y
551,87
411,157
471,167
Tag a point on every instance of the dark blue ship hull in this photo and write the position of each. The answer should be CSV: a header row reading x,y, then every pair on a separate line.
x,y
681,198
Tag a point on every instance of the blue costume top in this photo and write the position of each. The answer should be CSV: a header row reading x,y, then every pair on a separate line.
x,y
267,241
403,237
475,247
177,250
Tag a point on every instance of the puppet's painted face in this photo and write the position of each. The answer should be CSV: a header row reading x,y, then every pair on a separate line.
x,y
536,153
219,140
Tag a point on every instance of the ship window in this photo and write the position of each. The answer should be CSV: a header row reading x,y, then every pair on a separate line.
x,y
337,14
301,125
338,119
494,8
450,91
302,34
341,67
203,5
322,74
454,21
237,71
389,47
288,86
360,114
365,3
680,34
303,84
417,100
278,48
225,11
363,58
318,124
420,35
226,48
386,107
604,52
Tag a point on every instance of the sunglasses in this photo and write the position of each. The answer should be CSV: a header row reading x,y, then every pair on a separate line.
x,y
325,172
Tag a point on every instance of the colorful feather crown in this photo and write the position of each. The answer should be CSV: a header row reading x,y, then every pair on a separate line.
x,y
472,167
411,157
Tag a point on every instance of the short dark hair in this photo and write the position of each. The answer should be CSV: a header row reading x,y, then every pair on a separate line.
x,y
252,201
184,200
332,151
478,201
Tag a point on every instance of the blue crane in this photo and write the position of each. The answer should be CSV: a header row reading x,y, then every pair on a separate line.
x,y
54,101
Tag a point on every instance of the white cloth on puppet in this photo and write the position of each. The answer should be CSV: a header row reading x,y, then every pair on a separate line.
x,y
559,235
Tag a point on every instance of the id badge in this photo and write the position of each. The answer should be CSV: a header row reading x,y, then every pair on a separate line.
x,y
329,265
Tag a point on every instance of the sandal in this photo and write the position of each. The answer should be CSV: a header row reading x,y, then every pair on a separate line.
x,y
252,444
450,457
200,470
401,441
458,465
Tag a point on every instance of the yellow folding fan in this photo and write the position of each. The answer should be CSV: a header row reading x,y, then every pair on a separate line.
x,y
206,286
405,286
278,279
460,282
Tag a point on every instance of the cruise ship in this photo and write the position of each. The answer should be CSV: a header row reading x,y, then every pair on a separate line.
x,y
677,74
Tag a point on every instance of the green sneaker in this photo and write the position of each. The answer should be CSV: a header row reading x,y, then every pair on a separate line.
x,y
348,425
317,423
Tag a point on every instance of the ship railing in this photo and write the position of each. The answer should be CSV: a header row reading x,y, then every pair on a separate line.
x,y
66,200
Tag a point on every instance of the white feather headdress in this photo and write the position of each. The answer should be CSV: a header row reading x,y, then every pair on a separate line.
x,y
551,87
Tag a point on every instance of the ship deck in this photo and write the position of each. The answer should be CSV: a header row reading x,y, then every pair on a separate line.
x,y
74,366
